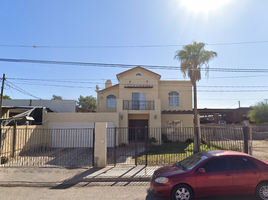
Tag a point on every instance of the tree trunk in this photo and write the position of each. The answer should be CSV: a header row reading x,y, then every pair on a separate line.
x,y
196,132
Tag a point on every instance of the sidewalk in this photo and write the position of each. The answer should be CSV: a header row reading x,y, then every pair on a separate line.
x,y
61,177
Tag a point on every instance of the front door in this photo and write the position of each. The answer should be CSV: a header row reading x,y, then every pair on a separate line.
x,y
138,130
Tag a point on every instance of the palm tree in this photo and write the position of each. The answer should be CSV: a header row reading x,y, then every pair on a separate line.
x,y
192,58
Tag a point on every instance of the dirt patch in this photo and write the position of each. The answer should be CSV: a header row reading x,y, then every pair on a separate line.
x,y
260,149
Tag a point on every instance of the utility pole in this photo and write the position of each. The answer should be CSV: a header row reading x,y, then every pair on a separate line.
x,y
238,104
2,94
1,102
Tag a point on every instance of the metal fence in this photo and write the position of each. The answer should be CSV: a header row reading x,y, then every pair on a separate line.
x,y
35,147
162,146
230,138
259,141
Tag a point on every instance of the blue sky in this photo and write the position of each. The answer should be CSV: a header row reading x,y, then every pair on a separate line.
x,y
59,24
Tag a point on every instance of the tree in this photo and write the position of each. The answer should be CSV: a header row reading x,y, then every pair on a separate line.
x,y
192,58
55,97
5,97
259,112
88,102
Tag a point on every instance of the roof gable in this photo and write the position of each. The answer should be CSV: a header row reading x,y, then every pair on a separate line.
x,y
136,69
107,88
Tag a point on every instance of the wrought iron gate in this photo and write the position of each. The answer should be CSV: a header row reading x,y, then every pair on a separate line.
x,y
35,147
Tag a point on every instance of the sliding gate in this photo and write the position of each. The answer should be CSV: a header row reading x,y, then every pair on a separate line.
x,y
33,147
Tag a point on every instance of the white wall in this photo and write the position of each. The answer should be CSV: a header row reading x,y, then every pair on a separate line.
x,y
76,134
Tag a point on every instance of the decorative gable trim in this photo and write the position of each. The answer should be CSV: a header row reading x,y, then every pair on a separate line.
x,y
138,86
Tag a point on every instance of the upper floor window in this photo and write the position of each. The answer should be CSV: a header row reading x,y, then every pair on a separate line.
x,y
173,99
138,74
111,101
138,101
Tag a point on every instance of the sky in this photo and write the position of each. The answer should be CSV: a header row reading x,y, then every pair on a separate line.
x,y
133,32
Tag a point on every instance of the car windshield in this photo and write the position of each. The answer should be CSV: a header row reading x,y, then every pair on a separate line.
x,y
192,161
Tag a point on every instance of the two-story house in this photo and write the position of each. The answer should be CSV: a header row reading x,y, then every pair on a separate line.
x,y
143,100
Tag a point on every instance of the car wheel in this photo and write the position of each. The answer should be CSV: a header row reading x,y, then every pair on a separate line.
x,y
262,191
182,192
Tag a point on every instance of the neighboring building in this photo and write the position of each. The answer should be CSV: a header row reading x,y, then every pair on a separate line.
x,y
230,116
141,99
10,114
60,106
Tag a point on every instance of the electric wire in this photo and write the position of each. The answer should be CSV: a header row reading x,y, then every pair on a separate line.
x,y
15,87
128,46
127,66
182,90
88,80
30,82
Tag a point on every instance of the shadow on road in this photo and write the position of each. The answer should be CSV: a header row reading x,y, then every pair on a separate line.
x,y
152,196
77,178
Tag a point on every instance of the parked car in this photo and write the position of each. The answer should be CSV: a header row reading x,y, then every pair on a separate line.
x,y
221,122
212,173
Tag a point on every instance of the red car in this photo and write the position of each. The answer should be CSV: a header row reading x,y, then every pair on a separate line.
x,y
212,173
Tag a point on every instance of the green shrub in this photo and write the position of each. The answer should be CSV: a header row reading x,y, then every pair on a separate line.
x,y
165,138
152,140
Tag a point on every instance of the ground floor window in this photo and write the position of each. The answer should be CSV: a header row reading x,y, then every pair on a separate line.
x,y
173,126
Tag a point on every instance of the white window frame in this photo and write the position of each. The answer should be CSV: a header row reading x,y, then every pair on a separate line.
x,y
173,99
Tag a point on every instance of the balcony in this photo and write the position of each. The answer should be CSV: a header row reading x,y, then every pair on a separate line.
x,y
138,105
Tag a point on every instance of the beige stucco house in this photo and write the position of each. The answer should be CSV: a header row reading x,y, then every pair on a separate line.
x,y
141,99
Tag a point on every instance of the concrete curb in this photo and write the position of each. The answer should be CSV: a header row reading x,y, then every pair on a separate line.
x,y
74,182
28,184
133,179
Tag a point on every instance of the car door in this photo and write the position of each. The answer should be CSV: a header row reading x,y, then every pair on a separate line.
x,y
216,180
245,174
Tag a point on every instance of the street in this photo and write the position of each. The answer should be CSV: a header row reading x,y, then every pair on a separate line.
x,y
96,191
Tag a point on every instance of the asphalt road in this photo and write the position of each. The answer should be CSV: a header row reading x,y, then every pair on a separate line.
x,y
103,191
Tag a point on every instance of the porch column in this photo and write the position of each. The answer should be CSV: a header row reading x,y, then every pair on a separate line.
x,y
100,149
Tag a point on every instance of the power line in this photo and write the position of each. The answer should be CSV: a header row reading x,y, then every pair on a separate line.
x,y
55,80
174,86
127,46
89,80
66,86
13,86
35,82
232,105
236,76
182,90
232,90
127,65
30,82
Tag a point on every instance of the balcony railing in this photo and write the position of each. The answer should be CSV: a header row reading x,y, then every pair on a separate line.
x,y
138,105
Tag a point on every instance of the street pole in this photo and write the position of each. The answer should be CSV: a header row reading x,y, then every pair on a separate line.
x,y
1,102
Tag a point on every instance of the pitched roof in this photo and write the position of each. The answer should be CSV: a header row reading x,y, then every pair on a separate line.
x,y
138,67
107,88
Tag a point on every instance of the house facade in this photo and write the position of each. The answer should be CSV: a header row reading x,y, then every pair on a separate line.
x,y
141,99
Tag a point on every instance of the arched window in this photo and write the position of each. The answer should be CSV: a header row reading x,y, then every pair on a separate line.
x,y
173,99
111,101
138,74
